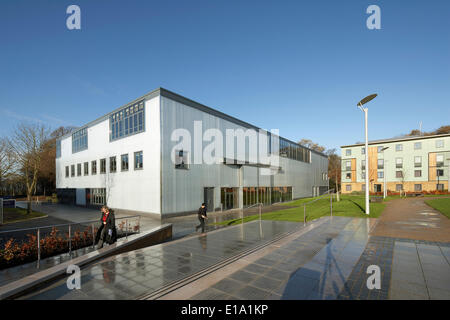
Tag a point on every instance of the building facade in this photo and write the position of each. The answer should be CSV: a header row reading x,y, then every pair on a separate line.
x,y
410,164
137,158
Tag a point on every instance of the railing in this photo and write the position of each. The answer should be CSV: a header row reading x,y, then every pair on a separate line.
x,y
330,193
66,237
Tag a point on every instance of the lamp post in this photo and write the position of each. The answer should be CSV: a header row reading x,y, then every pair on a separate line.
x,y
365,110
384,173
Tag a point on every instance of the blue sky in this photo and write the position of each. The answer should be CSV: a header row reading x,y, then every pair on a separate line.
x,y
297,66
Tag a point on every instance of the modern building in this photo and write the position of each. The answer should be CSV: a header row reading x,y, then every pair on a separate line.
x,y
409,164
150,155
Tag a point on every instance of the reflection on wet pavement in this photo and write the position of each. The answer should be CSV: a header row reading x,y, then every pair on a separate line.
x,y
129,275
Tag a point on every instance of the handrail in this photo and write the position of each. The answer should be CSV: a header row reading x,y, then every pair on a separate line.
x,y
64,224
319,197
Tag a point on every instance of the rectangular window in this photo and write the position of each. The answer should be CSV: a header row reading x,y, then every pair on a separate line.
x,y
94,167
79,169
398,147
86,168
363,150
102,165
58,149
440,160
439,143
348,165
127,121
399,174
112,164
79,140
380,174
72,170
348,175
417,145
440,187
348,152
181,159
379,149
380,163
363,164
398,187
67,171
363,174
138,160
399,162
440,172
417,187
417,173
348,187
124,162
417,161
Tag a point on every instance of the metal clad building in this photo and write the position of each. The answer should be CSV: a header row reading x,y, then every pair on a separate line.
x,y
129,159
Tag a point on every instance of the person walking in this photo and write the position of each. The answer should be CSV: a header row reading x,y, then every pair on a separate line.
x,y
201,217
107,231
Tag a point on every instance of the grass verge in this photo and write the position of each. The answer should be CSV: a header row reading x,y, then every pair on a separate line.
x,y
442,205
11,215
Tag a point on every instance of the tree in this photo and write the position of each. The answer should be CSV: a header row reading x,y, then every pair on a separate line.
x,y
311,145
6,164
28,144
334,169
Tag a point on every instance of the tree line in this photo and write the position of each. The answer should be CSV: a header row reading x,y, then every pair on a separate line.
x,y
27,160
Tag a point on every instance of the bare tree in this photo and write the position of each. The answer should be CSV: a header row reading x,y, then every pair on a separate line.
x,y
6,163
311,145
334,169
28,143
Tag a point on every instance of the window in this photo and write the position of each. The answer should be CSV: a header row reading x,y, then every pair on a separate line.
x,y
398,187
399,162
291,150
363,164
79,169
98,195
94,167
79,140
138,160
112,164
363,150
348,152
348,175
102,165
398,147
379,149
124,162
363,187
439,160
380,163
417,187
417,145
67,171
127,121
440,187
399,174
72,170
440,172
380,174
348,187
348,165
86,168
417,161
363,174
417,173
58,148
181,160
439,143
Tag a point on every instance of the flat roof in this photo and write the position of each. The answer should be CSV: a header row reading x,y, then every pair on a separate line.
x,y
191,103
390,140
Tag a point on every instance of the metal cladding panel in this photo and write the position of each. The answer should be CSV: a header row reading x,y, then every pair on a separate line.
x,y
183,190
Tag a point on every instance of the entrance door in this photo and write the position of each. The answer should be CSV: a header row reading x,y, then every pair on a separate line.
x,y
377,188
209,198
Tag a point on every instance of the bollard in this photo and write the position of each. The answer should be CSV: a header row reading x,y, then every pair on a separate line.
x,y
38,247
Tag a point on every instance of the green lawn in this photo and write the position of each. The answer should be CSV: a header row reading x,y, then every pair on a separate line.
x,y
18,214
349,206
442,205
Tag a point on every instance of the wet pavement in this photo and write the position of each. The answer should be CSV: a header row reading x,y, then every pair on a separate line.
x,y
130,275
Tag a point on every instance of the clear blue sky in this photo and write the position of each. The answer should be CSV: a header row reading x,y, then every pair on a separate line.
x,y
299,66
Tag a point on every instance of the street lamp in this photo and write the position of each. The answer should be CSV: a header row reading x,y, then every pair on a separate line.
x,y
384,174
365,110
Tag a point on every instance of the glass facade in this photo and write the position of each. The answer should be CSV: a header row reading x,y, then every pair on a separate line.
x,y
127,121
79,140
294,151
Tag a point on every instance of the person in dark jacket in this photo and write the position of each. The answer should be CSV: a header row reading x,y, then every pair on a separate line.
x,y
201,217
107,231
